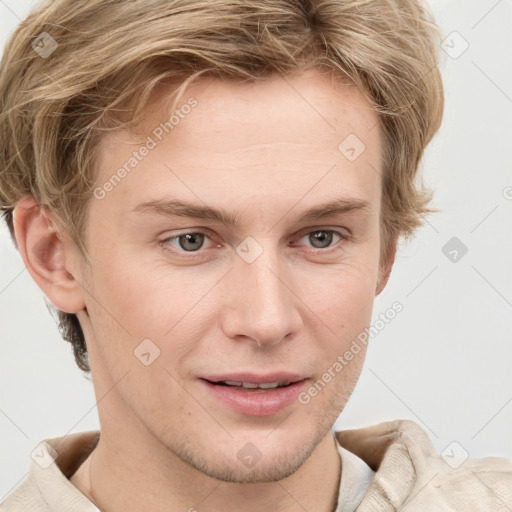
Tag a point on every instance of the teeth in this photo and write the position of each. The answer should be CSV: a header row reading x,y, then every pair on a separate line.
x,y
251,385
232,383
269,385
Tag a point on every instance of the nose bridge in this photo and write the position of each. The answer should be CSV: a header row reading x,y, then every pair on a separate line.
x,y
264,308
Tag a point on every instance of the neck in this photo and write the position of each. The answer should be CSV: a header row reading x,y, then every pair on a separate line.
x,y
118,479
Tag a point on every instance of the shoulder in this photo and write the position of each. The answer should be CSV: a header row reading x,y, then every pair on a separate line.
x,y
47,487
470,483
26,496
409,471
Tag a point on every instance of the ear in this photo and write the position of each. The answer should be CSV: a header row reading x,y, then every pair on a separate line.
x,y
45,253
386,265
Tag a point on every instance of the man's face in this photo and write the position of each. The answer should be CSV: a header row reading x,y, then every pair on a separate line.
x,y
269,296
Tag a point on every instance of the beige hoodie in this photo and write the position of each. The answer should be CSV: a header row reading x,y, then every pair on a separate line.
x,y
409,475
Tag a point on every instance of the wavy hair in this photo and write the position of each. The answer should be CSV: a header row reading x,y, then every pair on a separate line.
x,y
73,70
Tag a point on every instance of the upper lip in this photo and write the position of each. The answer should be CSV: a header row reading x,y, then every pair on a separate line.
x,y
254,378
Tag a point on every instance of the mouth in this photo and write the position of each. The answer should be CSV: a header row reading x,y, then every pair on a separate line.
x,y
249,380
252,385
253,395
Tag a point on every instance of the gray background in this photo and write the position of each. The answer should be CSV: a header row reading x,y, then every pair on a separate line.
x,y
445,361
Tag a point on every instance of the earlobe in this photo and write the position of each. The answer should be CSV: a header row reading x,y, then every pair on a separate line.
x,y
45,255
386,266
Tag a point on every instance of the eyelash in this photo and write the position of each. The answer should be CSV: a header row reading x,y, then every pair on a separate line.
x,y
343,237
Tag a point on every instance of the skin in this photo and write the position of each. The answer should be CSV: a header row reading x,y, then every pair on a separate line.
x,y
266,151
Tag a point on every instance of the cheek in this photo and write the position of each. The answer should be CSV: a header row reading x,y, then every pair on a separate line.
x,y
135,299
342,297
140,300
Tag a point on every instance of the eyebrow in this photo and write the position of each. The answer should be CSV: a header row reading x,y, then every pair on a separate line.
x,y
178,208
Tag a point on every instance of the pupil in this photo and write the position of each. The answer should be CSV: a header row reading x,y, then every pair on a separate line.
x,y
191,241
320,239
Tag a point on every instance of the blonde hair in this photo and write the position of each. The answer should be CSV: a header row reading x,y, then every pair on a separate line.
x,y
73,69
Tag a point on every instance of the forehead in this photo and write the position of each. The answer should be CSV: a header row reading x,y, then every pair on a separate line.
x,y
256,111
274,136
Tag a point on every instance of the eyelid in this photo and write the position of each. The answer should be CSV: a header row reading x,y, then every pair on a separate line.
x,y
165,242
341,231
344,233
344,236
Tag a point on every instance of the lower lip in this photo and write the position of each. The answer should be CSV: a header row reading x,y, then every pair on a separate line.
x,y
258,402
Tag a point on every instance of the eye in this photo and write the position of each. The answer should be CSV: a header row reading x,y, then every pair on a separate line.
x,y
323,238
188,242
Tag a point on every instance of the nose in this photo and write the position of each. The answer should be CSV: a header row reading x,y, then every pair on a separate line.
x,y
260,303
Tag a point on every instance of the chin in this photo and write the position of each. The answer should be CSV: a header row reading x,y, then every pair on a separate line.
x,y
273,470
245,461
